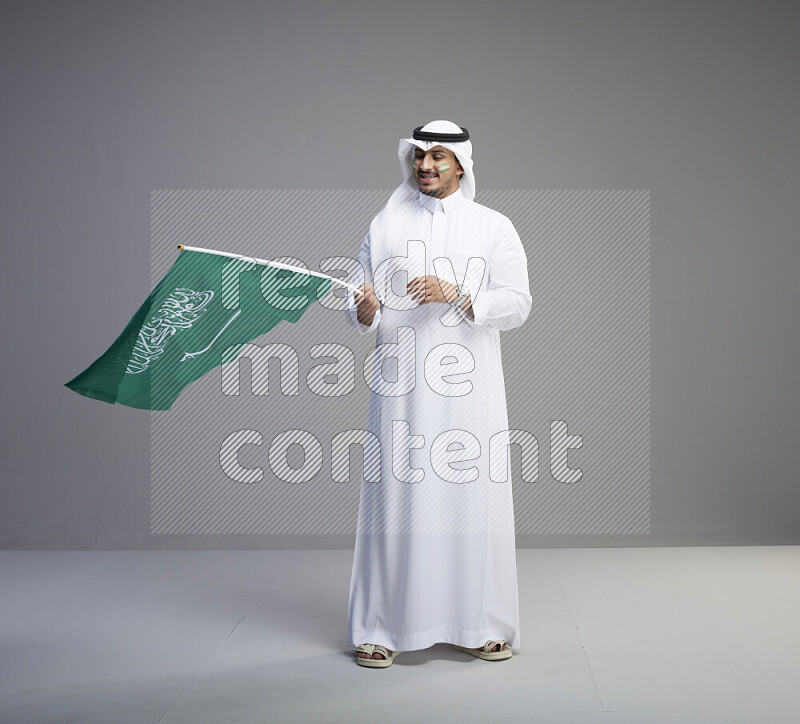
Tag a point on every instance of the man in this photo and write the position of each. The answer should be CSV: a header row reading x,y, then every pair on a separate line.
x,y
435,557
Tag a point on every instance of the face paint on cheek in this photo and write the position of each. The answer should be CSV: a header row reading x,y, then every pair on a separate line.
x,y
443,167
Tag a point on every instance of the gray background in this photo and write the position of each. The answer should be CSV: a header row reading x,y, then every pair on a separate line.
x,y
696,102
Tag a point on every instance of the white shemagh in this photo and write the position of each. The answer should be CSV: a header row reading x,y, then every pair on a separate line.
x,y
409,190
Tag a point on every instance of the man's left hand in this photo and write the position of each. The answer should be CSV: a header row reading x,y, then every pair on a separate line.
x,y
430,288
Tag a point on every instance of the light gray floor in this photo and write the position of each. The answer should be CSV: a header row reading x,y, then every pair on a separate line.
x,y
630,635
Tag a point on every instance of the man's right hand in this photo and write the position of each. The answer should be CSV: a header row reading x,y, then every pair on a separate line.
x,y
366,304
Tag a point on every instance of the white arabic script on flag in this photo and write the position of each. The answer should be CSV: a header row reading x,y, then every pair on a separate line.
x,y
179,311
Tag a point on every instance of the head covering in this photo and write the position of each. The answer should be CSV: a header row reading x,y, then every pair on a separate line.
x,y
436,133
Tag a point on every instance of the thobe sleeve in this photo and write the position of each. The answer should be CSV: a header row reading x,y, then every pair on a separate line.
x,y
362,274
506,301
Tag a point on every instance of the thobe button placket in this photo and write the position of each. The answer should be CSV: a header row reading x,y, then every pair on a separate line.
x,y
437,237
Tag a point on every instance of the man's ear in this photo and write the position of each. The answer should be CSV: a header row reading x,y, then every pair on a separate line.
x,y
460,170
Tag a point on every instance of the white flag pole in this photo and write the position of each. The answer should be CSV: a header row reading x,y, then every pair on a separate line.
x,y
183,247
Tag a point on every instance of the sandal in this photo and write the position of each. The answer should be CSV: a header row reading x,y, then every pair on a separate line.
x,y
370,649
487,654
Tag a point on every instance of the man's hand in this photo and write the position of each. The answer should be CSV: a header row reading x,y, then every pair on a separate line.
x,y
367,304
430,288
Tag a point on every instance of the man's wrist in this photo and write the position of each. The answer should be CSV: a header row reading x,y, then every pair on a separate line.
x,y
463,300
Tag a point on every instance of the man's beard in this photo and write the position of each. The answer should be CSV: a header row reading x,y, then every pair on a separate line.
x,y
436,193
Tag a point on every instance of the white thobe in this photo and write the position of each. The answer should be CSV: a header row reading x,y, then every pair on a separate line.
x,y
435,557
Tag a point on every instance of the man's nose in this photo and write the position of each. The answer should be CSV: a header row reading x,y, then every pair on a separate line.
x,y
427,163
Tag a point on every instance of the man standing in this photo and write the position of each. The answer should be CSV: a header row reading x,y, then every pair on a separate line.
x,y
435,557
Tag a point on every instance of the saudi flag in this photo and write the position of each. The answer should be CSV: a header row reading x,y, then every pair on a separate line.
x,y
199,316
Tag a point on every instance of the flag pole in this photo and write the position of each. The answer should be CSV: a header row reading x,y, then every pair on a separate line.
x,y
183,247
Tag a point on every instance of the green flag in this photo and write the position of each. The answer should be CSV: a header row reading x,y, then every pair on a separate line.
x,y
198,317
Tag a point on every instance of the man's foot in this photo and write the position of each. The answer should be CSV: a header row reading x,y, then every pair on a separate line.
x,y
492,650
496,647
376,655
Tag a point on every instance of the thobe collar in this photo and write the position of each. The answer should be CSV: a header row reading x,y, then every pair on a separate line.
x,y
448,204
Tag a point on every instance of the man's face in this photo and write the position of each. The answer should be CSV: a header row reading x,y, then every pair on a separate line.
x,y
437,171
